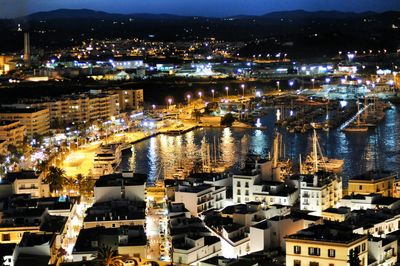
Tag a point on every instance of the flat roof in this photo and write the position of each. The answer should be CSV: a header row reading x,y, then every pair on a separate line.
x,y
19,110
326,233
117,179
373,175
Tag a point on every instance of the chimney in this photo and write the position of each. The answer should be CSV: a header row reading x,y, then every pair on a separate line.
x,y
27,48
315,181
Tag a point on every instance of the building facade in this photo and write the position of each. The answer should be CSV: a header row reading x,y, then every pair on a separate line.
x,y
36,121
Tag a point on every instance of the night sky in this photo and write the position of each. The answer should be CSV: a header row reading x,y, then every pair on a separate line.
x,y
219,8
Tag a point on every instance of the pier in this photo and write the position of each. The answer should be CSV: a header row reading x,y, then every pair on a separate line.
x,y
351,120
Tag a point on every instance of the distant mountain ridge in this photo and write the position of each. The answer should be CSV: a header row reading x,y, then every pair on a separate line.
x,y
92,14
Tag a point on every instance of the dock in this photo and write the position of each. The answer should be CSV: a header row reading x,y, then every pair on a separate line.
x,y
353,118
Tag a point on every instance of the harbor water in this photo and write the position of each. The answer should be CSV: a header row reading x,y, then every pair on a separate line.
x,y
379,148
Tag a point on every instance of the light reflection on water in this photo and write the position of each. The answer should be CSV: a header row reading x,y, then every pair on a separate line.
x,y
379,147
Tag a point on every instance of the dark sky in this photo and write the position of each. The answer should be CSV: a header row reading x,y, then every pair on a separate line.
x,y
12,8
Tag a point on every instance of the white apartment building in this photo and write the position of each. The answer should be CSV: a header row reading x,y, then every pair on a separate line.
x,y
319,192
249,185
193,249
26,182
200,198
372,201
125,185
382,251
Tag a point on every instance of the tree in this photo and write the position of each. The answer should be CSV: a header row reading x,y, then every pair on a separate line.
x,y
227,120
55,178
354,260
107,256
83,184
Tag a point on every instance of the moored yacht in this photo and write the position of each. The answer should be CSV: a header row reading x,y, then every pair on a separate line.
x,y
107,159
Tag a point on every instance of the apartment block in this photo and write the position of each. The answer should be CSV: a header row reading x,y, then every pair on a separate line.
x,y
36,121
323,245
379,182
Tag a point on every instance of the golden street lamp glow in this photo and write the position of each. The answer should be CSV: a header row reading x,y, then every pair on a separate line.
x,y
212,91
242,89
227,91
200,94
278,84
188,97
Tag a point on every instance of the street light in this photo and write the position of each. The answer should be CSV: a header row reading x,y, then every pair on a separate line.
x,y
313,81
188,97
242,89
277,84
227,91
200,94
154,106
169,102
291,83
327,80
212,91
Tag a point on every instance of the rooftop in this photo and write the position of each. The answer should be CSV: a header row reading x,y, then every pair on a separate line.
x,y
36,239
119,179
7,122
374,175
326,233
19,110
24,174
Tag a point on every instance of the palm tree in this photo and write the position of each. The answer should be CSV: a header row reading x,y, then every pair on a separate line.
x,y
107,256
83,184
55,178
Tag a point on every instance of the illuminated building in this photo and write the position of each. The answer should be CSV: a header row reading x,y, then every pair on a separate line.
x,y
200,198
378,182
36,121
269,234
323,245
319,192
23,214
126,185
253,183
127,240
129,99
336,214
77,108
382,251
12,132
193,249
26,182
371,201
7,64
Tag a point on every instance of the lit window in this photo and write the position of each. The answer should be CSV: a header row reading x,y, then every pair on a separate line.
x,y
314,251
331,253
297,250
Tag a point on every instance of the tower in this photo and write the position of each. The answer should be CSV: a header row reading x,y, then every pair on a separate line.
x,y
27,49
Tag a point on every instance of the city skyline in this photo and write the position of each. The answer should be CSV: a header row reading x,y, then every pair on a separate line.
x,y
222,8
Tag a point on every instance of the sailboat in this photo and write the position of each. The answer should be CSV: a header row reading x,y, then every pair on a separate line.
x,y
210,158
357,127
317,162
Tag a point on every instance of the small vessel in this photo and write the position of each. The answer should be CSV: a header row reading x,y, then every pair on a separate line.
x,y
317,162
358,126
107,159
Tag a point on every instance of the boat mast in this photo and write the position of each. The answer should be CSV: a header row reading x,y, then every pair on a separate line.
x,y
301,166
275,150
315,153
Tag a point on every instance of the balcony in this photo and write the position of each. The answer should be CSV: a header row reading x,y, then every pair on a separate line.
x,y
306,195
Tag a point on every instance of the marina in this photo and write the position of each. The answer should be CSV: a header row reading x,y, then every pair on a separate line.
x,y
377,149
